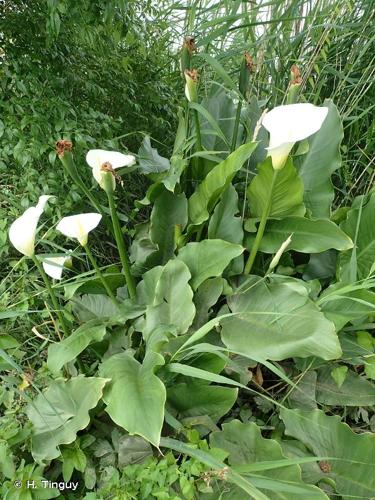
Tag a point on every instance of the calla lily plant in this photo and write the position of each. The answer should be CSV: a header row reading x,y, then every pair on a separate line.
x,y
289,124
103,164
22,234
23,230
78,226
54,266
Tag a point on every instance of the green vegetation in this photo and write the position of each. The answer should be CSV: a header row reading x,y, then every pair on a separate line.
x,y
189,313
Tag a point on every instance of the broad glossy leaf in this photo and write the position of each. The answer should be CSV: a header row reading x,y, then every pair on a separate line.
x,y
247,447
308,236
101,307
354,391
133,450
323,158
222,110
360,226
203,200
178,165
149,160
135,397
224,224
196,399
205,297
168,297
287,196
342,306
277,320
69,348
208,258
169,211
94,306
353,467
60,412
321,266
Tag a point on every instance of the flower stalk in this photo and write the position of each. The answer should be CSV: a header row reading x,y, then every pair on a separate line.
x,y
100,274
295,85
191,79
261,227
64,152
243,85
52,294
121,245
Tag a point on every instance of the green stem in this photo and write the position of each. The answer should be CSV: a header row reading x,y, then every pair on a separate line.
x,y
100,275
197,131
236,126
199,233
198,145
121,246
262,225
70,167
55,302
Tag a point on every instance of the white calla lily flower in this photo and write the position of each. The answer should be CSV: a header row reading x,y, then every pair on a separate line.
x,y
23,230
54,266
78,226
289,124
102,161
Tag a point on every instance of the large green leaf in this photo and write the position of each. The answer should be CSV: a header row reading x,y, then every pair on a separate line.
x,y
168,297
205,297
353,467
68,349
135,397
221,109
341,304
277,320
60,412
195,399
94,306
321,386
169,211
149,160
247,447
322,159
224,224
308,236
359,225
203,200
354,391
208,258
287,196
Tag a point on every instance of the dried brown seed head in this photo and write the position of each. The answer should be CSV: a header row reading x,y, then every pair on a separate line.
x,y
192,73
107,167
296,75
189,43
63,145
249,62
325,466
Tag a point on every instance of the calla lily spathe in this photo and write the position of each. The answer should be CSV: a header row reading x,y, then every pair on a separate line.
x,y
54,266
78,226
99,158
23,230
289,124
